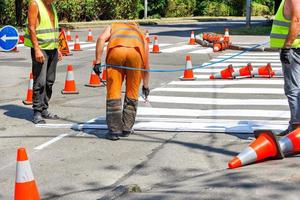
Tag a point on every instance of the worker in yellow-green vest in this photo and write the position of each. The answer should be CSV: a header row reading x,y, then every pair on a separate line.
x,y
285,35
41,36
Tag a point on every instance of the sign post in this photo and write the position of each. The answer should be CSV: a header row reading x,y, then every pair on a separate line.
x,y
9,38
248,13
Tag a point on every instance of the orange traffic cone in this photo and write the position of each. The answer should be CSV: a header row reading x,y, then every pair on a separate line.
x,y
77,44
104,74
243,72
226,35
70,86
69,37
94,79
291,143
217,47
264,71
265,146
90,37
25,186
224,74
192,39
148,37
188,74
28,100
155,46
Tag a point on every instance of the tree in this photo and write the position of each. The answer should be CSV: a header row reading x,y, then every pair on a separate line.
x,y
277,4
18,11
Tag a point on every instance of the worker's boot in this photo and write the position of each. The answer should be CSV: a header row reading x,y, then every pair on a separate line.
x,y
128,117
114,119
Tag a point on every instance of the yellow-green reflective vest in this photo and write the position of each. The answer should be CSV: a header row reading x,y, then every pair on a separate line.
x,y
280,30
47,35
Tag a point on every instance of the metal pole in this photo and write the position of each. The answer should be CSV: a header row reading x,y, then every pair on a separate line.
x,y
248,13
145,9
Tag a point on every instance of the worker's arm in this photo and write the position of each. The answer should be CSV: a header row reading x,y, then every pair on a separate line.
x,y
295,23
146,74
33,12
104,37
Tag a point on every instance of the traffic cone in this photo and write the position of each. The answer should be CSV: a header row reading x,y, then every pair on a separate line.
x,y
188,74
77,44
69,37
147,37
70,86
155,46
28,100
21,39
217,47
226,35
278,74
264,71
243,72
290,143
104,74
265,146
192,39
94,79
25,185
224,74
90,37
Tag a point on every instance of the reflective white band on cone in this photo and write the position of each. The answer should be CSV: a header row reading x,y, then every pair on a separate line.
x,y
70,76
286,145
247,156
24,173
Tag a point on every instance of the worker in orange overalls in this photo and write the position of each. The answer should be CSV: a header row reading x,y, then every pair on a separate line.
x,y
128,47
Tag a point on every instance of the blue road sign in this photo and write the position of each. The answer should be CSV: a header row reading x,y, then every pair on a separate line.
x,y
9,38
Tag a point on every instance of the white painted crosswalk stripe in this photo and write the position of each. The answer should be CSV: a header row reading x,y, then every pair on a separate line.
x,y
230,82
216,70
239,64
248,60
179,48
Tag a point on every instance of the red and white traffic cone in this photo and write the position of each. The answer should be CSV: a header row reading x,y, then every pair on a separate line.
x,y
226,35
94,79
90,37
188,74
155,46
224,74
69,37
243,72
147,37
77,44
70,85
192,40
28,100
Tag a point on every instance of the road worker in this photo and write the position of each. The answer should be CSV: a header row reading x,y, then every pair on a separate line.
x,y
42,37
127,47
285,35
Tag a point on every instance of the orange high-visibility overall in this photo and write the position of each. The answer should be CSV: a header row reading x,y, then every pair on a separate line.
x,y
126,47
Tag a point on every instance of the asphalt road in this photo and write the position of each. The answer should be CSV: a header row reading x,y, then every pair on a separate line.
x,y
185,158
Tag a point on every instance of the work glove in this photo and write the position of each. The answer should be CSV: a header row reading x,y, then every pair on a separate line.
x,y
146,92
285,55
97,69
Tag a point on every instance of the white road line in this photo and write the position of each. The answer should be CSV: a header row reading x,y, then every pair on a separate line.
x,y
252,57
202,51
142,111
84,46
180,48
231,82
239,64
254,54
42,146
215,101
214,70
247,60
223,90
160,45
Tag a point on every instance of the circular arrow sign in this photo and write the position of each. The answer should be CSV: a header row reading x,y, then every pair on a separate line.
x,y
9,38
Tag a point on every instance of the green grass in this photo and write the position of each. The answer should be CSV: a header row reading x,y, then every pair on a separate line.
x,y
254,30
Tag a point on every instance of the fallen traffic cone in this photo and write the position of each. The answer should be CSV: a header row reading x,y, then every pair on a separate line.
x,y
226,35
94,79
28,100
70,86
264,71
148,37
188,74
69,37
243,72
290,143
25,186
265,146
90,37
217,47
155,46
77,44
192,39
224,74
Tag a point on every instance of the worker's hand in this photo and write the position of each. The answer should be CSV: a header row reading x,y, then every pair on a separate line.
x,y
97,69
146,92
285,55
39,56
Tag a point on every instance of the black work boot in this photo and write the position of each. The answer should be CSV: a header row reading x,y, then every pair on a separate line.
x,y
48,115
127,133
37,118
112,136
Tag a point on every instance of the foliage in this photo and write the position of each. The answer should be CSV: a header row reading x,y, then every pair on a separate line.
x,y
180,8
259,9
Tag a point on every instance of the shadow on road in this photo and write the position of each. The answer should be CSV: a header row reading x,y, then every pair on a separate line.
x,y
18,112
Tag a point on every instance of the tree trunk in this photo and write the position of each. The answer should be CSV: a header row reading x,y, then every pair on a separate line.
x,y
277,4
18,11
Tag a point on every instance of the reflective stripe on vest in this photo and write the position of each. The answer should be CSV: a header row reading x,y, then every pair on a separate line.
x,y
280,30
46,34
126,35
